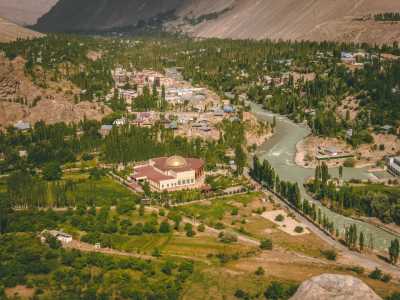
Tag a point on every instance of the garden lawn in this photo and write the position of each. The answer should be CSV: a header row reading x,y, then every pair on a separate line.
x,y
214,211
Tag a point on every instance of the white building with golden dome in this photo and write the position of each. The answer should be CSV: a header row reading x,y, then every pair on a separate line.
x,y
171,173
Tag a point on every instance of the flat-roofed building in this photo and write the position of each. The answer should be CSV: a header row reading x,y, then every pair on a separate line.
x,y
393,165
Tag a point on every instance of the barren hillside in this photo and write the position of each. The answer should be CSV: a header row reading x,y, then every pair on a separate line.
x,y
293,19
78,15
20,99
25,12
342,20
10,31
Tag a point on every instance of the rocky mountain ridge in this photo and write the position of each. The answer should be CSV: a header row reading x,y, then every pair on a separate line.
x,y
25,12
340,20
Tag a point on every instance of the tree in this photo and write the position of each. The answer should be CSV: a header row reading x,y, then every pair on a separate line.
x,y
164,227
53,242
275,291
141,210
240,159
146,188
361,241
341,172
52,171
5,208
394,251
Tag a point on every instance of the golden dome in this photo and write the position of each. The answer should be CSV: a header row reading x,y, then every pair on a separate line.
x,y
176,162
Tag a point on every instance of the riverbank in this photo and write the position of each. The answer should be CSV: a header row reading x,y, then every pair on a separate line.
x,y
280,151
364,156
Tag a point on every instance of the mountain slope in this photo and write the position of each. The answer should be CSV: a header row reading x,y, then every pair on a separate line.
x,y
294,19
285,19
78,15
10,31
52,104
25,12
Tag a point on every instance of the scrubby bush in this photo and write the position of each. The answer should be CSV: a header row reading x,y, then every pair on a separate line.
x,y
299,229
266,244
201,228
227,238
279,218
329,254
260,271
376,274
164,227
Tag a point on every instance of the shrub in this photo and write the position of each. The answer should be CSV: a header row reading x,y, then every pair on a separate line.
x,y
356,269
240,294
87,156
188,227
125,206
349,163
190,233
266,244
201,228
386,278
219,226
329,254
299,229
53,242
376,274
52,171
136,229
156,252
164,227
279,218
277,291
394,296
235,211
227,238
260,271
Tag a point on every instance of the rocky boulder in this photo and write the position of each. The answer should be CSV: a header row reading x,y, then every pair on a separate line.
x,y
334,287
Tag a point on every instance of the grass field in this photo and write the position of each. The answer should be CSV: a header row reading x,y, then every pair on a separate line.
x,y
104,191
214,211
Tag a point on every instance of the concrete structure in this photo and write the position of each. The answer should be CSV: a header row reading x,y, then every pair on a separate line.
x,y
63,237
105,130
22,126
171,173
393,165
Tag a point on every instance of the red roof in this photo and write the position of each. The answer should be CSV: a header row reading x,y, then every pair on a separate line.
x,y
150,173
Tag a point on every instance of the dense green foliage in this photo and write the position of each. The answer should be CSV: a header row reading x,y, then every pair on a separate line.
x,y
238,67
64,274
388,16
372,200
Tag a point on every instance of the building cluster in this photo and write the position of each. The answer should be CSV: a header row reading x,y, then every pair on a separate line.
x,y
130,84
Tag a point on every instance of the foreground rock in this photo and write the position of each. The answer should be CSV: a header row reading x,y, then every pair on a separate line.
x,y
334,287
